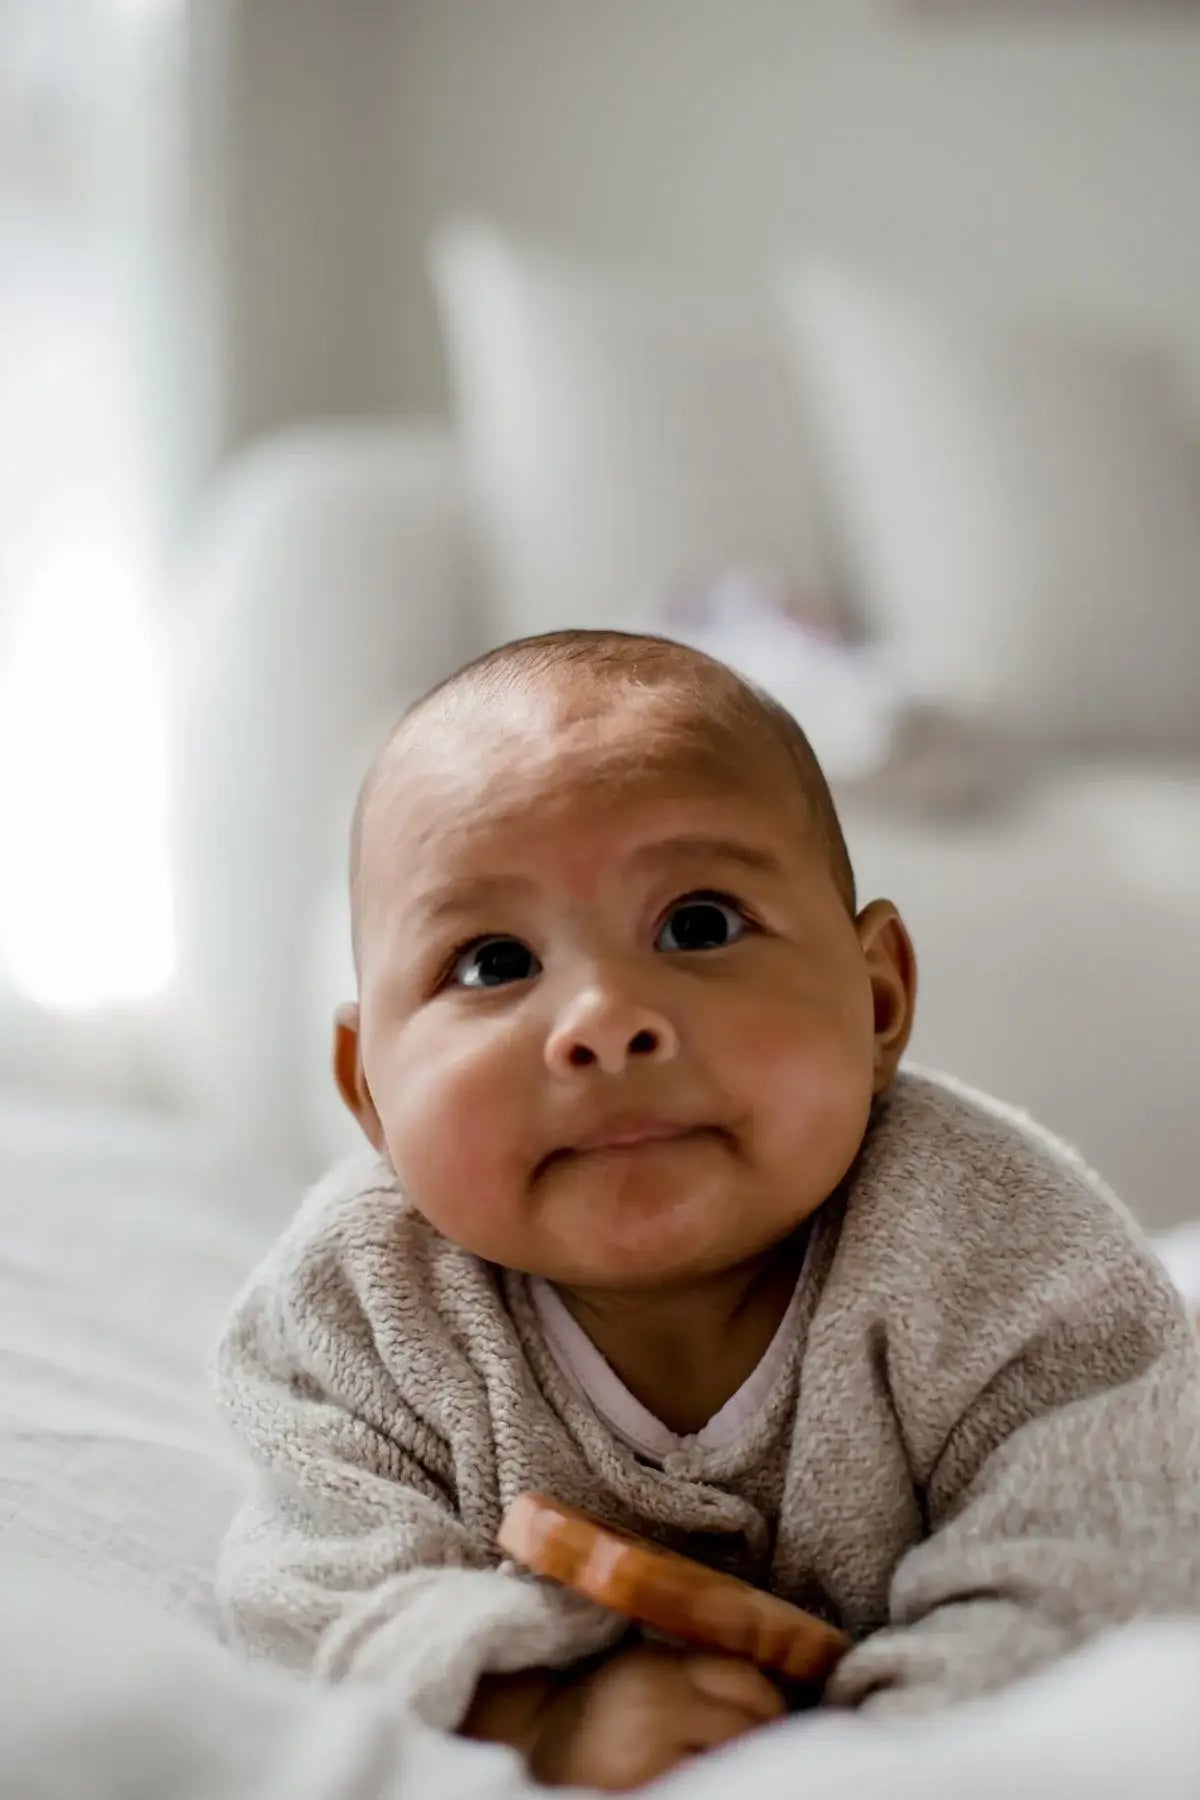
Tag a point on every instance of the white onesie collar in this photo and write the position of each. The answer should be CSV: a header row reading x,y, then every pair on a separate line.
x,y
595,1381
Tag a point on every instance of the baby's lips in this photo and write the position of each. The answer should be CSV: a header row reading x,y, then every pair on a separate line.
x,y
624,1132
621,1131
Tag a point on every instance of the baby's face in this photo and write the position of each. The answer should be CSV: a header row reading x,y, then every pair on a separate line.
x,y
567,940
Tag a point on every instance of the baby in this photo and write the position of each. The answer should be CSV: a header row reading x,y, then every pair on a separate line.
x,y
653,1220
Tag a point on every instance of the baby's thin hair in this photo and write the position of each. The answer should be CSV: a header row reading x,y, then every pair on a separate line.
x,y
722,699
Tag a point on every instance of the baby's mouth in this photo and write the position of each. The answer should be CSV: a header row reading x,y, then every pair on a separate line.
x,y
628,1139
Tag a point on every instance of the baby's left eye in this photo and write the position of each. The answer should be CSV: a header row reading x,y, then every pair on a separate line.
x,y
702,922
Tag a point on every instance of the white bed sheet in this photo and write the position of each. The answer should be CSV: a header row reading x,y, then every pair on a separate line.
x,y
105,1701
120,1247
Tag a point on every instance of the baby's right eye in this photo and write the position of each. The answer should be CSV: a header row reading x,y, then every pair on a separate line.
x,y
492,962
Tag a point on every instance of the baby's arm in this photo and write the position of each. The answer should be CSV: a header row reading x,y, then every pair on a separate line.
x,y
1065,1497
352,1561
352,1558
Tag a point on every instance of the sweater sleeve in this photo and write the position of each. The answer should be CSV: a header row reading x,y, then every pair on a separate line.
x,y
1063,1498
1044,1386
351,1558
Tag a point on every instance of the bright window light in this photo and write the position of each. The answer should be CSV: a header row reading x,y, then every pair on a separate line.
x,y
85,906
89,106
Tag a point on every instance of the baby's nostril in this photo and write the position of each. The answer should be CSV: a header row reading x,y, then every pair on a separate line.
x,y
581,1056
643,1042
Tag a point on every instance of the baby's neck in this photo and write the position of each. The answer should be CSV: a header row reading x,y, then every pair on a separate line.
x,y
683,1352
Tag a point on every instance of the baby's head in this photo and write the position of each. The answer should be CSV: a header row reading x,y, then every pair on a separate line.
x,y
600,893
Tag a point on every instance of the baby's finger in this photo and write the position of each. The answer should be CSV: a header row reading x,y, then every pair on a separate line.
x,y
734,1682
713,1724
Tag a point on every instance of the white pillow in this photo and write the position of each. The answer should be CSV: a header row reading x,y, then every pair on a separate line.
x,y
1020,509
622,432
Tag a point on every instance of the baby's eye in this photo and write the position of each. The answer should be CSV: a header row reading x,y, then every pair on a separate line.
x,y
702,922
493,962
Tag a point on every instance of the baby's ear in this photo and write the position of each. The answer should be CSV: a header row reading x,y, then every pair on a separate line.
x,y
892,970
348,1073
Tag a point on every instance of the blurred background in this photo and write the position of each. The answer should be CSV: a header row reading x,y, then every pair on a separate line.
x,y
856,340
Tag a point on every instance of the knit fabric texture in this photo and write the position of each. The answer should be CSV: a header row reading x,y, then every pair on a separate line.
x,y
982,1447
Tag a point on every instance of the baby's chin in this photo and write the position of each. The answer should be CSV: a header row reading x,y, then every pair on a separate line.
x,y
652,1216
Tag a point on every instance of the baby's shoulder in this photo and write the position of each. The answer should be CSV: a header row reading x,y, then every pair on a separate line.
x,y
358,1213
956,1183
359,1262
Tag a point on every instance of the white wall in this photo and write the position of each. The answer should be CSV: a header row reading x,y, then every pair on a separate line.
x,y
291,151
1051,161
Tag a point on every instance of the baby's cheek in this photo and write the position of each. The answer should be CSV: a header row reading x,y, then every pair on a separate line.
x,y
806,1075
449,1134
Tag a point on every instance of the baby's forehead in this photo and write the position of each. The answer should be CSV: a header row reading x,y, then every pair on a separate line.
x,y
549,750
458,778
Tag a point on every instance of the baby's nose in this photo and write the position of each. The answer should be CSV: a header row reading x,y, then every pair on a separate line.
x,y
609,1032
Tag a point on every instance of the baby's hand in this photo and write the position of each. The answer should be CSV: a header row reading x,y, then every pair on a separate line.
x,y
645,1709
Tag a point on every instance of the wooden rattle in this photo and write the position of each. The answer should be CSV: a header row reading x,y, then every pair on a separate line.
x,y
669,1593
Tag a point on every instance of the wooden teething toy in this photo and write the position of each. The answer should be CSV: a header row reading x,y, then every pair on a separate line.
x,y
669,1593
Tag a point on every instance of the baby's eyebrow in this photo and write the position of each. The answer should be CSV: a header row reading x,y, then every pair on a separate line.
x,y
459,897
718,849
478,892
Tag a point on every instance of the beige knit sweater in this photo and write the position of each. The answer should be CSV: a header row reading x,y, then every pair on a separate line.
x,y
984,1445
